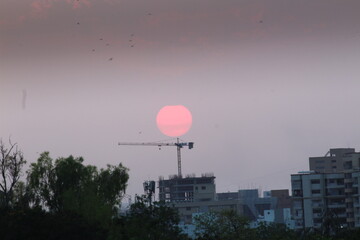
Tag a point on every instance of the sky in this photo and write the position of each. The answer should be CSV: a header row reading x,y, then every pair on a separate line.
x,y
269,84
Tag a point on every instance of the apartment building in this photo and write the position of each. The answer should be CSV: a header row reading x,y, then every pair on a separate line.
x,y
329,190
335,160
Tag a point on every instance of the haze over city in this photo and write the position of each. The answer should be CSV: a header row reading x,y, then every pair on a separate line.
x,y
269,83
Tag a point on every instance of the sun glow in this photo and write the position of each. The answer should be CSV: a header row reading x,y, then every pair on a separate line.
x,y
174,121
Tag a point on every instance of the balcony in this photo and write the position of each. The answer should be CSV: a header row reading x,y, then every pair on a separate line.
x,y
296,185
336,205
316,195
349,210
348,180
316,186
317,215
317,205
334,185
348,190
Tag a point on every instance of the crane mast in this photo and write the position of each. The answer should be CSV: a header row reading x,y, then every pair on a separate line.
x,y
177,144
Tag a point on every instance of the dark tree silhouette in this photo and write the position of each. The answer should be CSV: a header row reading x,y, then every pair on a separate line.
x,y
11,164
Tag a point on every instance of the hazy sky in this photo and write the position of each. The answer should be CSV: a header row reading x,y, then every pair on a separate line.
x,y
269,83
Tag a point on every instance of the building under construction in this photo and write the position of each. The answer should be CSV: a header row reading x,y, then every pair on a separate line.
x,y
188,189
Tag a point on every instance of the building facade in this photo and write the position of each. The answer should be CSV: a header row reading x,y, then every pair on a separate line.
x,y
193,195
188,189
329,190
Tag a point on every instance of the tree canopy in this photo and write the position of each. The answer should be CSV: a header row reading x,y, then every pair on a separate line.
x,y
68,185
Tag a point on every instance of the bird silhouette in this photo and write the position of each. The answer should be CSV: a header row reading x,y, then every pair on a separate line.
x,y
100,39
110,59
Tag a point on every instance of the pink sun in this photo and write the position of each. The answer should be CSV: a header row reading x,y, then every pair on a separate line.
x,y
174,121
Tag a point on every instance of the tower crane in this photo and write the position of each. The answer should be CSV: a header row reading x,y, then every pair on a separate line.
x,y
177,144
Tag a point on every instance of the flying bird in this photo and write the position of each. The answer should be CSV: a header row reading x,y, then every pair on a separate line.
x,y
93,50
100,39
110,59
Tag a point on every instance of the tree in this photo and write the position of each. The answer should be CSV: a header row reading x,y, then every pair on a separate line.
x,y
37,224
151,222
226,224
275,231
69,185
330,223
11,164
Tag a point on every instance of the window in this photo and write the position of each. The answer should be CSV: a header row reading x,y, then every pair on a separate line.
x,y
333,161
297,193
340,181
315,191
317,210
203,187
315,181
188,208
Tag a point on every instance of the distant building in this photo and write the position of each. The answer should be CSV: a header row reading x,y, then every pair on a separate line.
x,y
283,198
334,160
193,195
329,189
252,205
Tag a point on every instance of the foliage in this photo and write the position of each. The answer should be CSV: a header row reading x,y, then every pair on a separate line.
x,y
69,186
276,231
151,222
37,224
225,225
330,223
11,164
